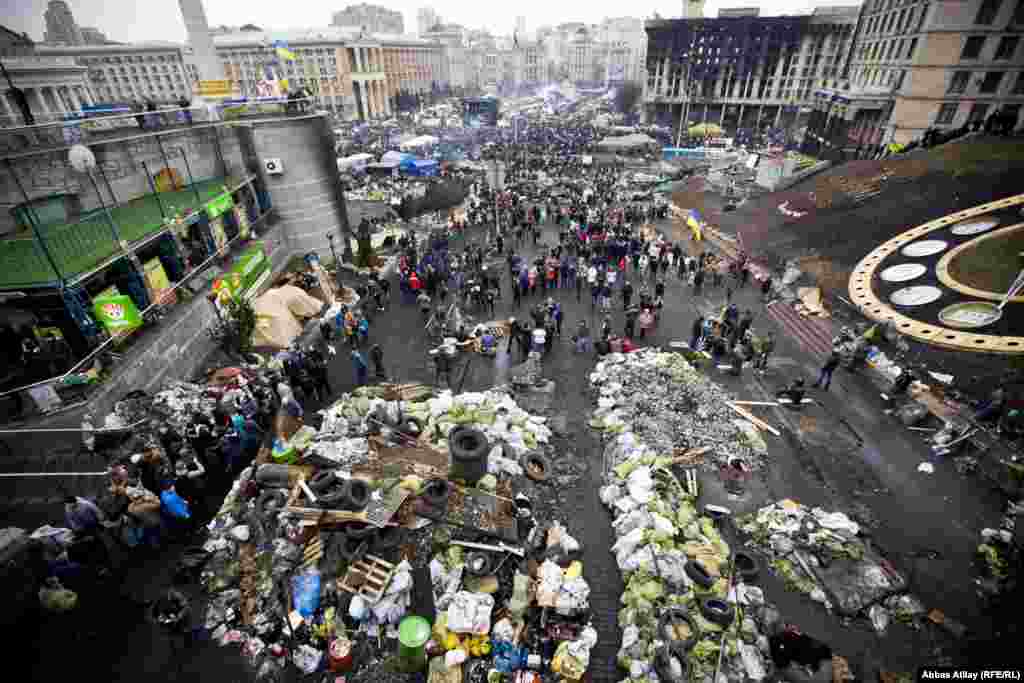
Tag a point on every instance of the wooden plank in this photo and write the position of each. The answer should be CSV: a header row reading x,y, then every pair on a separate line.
x,y
756,421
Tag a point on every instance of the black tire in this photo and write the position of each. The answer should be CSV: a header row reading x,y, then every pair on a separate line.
x,y
467,444
271,501
663,663
718,611
351,548
478,564
333,498
387,538
699,574
356,495
536,466
436,492
358,530
322,482
670,616
747,565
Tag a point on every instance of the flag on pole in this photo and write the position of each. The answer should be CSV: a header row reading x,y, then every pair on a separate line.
x,y
282,51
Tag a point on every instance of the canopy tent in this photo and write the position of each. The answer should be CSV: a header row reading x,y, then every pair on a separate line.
x,y
420,167
421,141
627,141
354,161
278,314
394,158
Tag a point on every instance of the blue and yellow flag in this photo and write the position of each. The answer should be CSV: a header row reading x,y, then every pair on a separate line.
x,y
282,51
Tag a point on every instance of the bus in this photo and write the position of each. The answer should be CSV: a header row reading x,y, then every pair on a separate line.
x,y
480,111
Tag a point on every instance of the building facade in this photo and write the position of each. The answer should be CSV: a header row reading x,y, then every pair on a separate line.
x,y
61,28
372,18
53,85
920,64
346,70
131,73
93,36
455,64
744,72
426,20
14,44
625,44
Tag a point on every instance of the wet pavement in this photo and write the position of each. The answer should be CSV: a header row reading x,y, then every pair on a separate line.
x,y
842,455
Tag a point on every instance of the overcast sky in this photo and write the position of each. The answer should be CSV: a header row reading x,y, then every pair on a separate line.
x,y
132,20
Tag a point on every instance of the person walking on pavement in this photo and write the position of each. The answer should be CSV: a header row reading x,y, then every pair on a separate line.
x,y
764,353
377,356
627,294
766,289
359,365
698,282
825,376
696,332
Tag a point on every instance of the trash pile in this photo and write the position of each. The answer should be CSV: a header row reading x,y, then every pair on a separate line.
x,y
823,555
691,609
392,538
674,407
996,553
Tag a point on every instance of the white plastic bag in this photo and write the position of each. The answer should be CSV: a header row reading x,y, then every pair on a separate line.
x,y
470,613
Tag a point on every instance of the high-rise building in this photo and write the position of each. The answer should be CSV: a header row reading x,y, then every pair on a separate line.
x,y
372,18
917,65
200,48
156,71
426,19
61,28
93,36
694,77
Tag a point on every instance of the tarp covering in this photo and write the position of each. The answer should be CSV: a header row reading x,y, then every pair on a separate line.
x,y
394,157
420,167
421,141
277,315
354,161
627,141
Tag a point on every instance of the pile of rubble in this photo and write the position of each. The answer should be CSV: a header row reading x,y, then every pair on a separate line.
x,y
399,519
691,610
673,408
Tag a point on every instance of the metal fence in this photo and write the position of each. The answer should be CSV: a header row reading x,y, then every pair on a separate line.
x,y
87,127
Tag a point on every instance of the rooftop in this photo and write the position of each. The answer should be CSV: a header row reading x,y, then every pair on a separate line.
x,y
313,36
154,45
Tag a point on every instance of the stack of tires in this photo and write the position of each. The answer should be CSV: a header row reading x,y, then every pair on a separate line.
x,y
335,493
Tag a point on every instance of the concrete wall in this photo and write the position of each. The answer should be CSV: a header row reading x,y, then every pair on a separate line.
x,y
307,197
123,165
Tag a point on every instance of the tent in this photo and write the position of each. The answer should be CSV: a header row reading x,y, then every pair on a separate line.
x,y
421,141
354,162
394,157
627,142
278,314
420,167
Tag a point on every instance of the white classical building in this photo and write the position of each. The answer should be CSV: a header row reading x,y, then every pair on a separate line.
x,y
158,71
53,86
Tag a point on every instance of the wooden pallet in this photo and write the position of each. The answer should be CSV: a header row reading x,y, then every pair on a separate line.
x,y
377,573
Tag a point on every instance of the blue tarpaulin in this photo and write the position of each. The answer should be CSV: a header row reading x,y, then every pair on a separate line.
x,y
419,167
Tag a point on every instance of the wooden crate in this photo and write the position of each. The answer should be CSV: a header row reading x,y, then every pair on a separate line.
x,y
378,575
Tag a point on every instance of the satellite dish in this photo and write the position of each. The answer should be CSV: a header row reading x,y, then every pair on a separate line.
x,y
81,158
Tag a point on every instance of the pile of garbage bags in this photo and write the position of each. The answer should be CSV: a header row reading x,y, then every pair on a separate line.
x,y
663,399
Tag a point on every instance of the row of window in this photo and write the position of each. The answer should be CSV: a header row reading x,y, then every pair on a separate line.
x,y
988,83
132,59
989,11
902,21
887,50
979,110
974,45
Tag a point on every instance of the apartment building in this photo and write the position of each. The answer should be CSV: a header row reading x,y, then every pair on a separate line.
x,y
157,71
919,64
745,71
